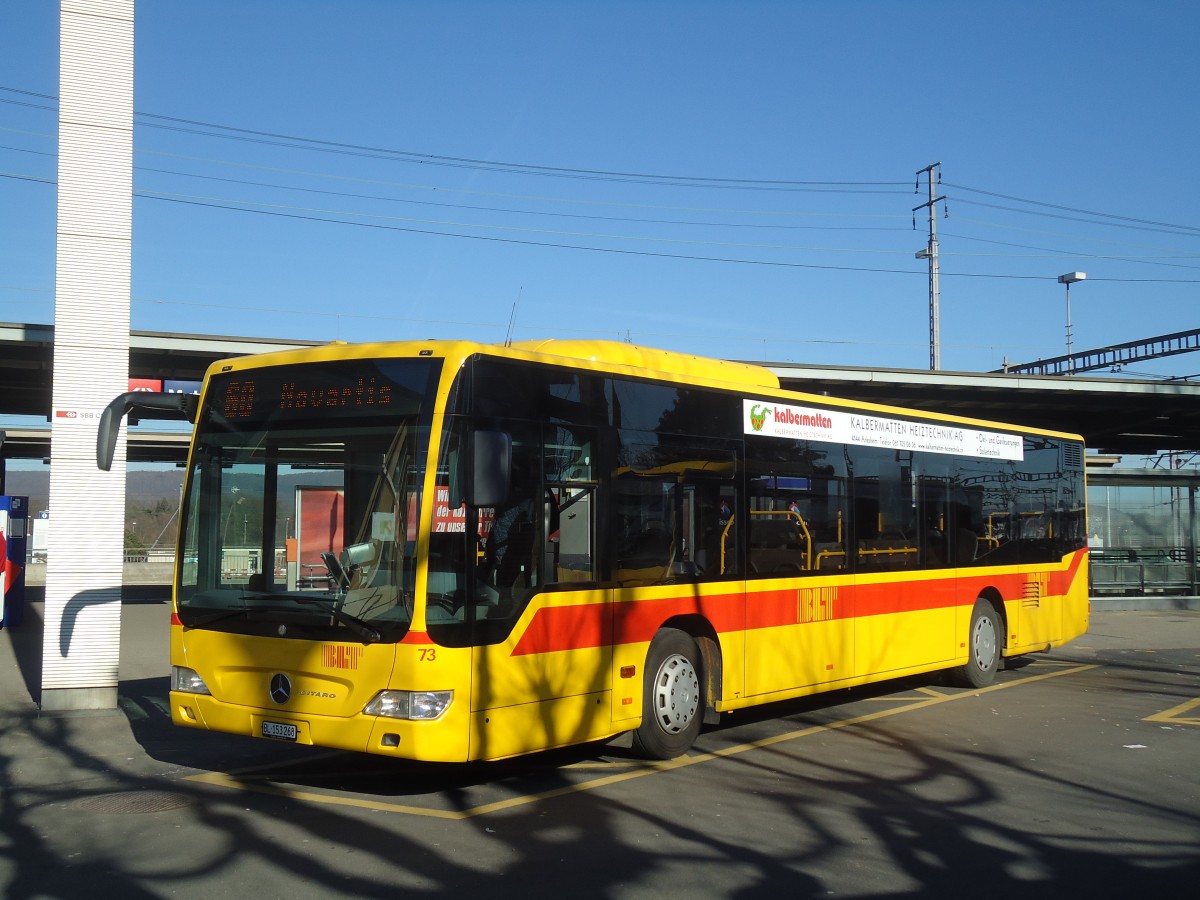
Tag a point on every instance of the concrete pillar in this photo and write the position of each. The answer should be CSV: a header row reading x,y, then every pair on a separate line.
x,y
91,353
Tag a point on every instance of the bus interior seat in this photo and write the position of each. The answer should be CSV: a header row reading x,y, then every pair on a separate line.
x,y
967,546
776,547
517,559
647,557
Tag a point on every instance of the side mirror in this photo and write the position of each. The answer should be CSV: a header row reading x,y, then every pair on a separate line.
x,y
174,406
491,467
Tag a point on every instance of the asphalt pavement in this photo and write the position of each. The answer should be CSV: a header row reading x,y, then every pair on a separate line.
x,y
1077,775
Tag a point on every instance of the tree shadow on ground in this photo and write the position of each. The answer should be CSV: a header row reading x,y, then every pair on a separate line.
x,y
871,810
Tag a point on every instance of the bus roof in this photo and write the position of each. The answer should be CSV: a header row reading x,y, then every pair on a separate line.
x,y
649,358
601,354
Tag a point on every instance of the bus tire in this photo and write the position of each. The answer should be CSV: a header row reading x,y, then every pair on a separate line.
x,y
983,648
672,696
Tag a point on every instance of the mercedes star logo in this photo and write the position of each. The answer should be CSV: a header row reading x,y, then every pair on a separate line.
x,y
281,688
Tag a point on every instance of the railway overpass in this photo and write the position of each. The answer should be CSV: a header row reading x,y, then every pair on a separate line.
x,y
1115,415
27,362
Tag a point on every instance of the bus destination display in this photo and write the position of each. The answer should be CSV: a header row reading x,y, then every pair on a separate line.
x,y
321,391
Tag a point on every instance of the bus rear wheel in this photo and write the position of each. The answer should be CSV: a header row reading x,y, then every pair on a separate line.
x,y
983,648
672,696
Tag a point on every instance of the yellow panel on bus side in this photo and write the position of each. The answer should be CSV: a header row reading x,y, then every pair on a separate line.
x,y
907,622
539,688
1052,606
512,730
1077,605
799,633
1040,613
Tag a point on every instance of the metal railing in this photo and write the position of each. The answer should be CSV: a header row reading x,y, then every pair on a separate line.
x,y
1142,570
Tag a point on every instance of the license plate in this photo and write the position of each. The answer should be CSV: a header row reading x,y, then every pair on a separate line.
x,y
279,731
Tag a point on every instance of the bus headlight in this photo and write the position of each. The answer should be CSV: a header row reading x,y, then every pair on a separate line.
x,y
187,681
422,705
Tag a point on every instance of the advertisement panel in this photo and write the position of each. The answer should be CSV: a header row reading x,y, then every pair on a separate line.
x,y
177,386
771,419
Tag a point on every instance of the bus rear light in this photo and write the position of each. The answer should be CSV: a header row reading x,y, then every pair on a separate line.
x,y
188,681
418,705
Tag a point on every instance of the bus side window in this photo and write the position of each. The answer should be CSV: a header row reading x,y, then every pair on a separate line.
x,y
645,544
570,480
509,563
674,501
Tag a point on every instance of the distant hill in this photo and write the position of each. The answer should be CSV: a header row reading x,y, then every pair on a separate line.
x,y
33,484
151,500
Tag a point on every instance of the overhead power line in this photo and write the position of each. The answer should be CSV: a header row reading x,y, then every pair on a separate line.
x,y
1032,212
524,242
216,129
334,214
529,212
1049,251
440,189
1191,229
328,219
233,132
423,158
30,98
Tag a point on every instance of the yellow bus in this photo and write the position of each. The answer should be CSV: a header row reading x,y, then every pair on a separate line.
x,y
452,551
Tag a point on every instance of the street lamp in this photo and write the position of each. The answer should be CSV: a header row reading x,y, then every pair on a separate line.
x,y
1069,279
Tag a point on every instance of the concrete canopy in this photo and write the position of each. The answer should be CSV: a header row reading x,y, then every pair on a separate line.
x,y
1113,414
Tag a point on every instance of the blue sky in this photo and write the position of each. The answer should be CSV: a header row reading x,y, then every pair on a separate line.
x,y
726,179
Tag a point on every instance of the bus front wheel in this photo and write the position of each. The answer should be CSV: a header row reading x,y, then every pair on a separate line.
x,y
672,697
983,648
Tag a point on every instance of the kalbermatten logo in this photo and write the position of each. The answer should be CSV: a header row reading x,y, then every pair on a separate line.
x,y
758,416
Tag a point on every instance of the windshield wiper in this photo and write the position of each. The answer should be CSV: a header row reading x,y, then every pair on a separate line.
x,y
355,624
207,619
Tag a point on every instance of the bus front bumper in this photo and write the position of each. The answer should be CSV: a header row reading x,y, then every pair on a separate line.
x,y
443,740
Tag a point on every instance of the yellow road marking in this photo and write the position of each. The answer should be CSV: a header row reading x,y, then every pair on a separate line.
x,y
903,696
1045,662
221,779
1174,714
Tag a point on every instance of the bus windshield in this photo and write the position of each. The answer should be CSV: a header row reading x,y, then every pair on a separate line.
x,y
303,499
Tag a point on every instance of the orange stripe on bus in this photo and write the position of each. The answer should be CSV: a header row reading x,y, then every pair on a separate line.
x,y
556,628
637,621
566,628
